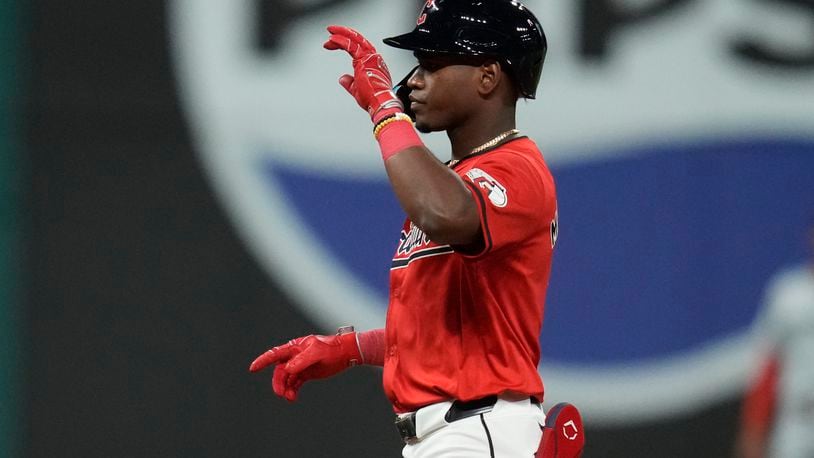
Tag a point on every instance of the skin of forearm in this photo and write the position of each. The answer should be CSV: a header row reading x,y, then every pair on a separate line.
x,y
434,197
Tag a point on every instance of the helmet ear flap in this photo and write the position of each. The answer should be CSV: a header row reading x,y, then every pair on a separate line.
x,y
403,91
532,66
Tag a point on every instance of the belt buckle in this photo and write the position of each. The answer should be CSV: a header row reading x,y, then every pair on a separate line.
x,y
406,427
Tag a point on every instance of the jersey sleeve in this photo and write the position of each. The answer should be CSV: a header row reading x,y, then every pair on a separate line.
x,y
760,400
510,193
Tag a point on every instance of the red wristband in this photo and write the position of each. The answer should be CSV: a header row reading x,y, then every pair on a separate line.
x,y
396,137
372,346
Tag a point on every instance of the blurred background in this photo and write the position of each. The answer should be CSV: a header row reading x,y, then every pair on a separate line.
x,y
183,185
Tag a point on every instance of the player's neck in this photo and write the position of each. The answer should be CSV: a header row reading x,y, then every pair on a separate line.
x,y
473,135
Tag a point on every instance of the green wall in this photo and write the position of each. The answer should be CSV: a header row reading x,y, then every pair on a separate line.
x,y
10,424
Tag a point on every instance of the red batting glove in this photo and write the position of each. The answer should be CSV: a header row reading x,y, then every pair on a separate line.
x,y
371,84
308,358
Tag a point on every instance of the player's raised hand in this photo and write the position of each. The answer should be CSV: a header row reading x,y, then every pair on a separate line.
x,y
308,358
370,84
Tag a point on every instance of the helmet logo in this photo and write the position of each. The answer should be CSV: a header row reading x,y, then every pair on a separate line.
x,y
423,16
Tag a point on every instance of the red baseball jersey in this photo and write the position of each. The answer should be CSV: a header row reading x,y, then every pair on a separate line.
x,y
466,325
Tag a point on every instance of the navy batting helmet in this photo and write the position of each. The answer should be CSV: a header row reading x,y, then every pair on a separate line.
x,y
501,29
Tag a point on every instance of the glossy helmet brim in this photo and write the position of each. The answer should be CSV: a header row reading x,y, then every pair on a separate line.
x,y
414,41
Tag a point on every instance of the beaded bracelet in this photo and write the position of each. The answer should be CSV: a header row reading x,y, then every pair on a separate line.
x,y
392,118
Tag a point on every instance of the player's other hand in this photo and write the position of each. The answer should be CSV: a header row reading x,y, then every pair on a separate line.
x,y
307,358
370,84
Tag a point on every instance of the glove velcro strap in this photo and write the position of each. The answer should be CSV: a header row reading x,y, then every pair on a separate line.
x,y
350,348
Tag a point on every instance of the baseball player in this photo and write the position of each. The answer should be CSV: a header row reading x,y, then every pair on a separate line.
x,y
469,275
778,410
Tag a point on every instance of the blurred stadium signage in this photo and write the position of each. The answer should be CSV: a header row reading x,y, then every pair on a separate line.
x,y
680,132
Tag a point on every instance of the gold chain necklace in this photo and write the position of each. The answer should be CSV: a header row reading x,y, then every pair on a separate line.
x,y
488,144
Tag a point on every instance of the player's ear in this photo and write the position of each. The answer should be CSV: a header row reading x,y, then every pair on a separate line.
x,y
490,74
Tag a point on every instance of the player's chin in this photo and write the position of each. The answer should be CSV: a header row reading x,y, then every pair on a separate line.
x,y
422,127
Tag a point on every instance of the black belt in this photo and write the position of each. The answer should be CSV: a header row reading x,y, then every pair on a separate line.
x,y
458,411
461,410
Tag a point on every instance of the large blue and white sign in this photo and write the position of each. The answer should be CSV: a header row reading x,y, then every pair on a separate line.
x,y
680,133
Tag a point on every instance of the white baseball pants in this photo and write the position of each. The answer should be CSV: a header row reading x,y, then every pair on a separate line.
x,y
511,429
